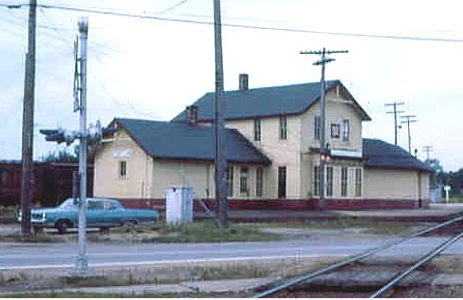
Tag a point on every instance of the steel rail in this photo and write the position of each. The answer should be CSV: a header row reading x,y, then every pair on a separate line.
x,y
350,260
433,253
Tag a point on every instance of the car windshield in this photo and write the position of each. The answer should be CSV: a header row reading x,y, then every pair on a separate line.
x,y
68,204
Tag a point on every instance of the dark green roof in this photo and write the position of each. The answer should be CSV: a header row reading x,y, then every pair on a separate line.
x,y
169,140
267,102
379,154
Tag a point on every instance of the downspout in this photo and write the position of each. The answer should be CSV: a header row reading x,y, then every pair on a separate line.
x,y
420,204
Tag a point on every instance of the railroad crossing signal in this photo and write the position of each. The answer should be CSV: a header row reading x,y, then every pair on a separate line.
x,y
59,135
94,134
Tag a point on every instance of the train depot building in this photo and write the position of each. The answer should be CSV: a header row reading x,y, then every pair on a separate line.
x,y
272,146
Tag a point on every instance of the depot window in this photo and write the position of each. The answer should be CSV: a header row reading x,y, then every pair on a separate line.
x,y
283,128
122,169
329,181
316,180
244,191
230,181
344,181
257,129
259,182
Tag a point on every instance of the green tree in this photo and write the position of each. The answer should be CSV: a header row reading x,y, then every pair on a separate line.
x,y
435,165
62,155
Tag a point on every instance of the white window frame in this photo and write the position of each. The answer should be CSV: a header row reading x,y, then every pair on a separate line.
x,y
329,181
317,128
345,130
244,187
344,181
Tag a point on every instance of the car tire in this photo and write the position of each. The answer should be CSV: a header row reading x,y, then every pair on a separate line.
x,y
62,226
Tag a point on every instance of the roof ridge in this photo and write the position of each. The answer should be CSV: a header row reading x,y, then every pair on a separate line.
x,y
264,102
328,82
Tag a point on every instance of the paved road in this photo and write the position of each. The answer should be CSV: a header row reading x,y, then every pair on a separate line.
x,y
24,256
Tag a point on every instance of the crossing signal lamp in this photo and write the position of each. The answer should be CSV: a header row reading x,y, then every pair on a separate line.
x,y
94,134
59,135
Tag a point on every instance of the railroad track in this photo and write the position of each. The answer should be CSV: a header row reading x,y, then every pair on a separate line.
x,y
308,278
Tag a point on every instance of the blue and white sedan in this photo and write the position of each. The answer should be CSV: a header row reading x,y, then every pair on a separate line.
x,y
102,213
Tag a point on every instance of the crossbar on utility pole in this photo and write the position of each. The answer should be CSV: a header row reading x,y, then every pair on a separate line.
x,y
28,124
220,161
323,147
409,119
395,112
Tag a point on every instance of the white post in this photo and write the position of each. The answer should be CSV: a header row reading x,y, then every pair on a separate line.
x,y
82,263
447,189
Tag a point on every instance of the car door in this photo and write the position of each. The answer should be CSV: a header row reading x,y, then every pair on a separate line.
x,y
93,212
112,213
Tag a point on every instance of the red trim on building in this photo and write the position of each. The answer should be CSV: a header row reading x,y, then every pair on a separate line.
x,y
285,204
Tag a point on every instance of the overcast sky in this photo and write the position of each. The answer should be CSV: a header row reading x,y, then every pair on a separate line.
x,y
152,67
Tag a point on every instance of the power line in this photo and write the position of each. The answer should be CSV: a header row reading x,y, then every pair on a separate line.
x,y
172,7
296,30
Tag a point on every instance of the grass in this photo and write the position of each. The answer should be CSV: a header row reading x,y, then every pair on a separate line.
x,y
452,200
207,231
365,226
38,238
197,232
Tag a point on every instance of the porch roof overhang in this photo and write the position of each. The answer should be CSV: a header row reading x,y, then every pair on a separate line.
x,y
339,153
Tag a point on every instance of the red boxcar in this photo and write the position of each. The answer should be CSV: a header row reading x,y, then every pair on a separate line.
x,y
51,184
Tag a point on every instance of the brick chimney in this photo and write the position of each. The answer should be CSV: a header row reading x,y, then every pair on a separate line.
x,y
244,82
192,114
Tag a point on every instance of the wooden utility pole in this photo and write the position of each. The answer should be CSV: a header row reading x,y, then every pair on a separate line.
x,y
28,124
395,112
220,160
324,151
409,119
427,150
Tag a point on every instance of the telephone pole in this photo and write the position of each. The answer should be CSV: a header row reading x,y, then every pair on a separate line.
x,y
409,119
28,124
220,160
427,150
324,151
395,112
